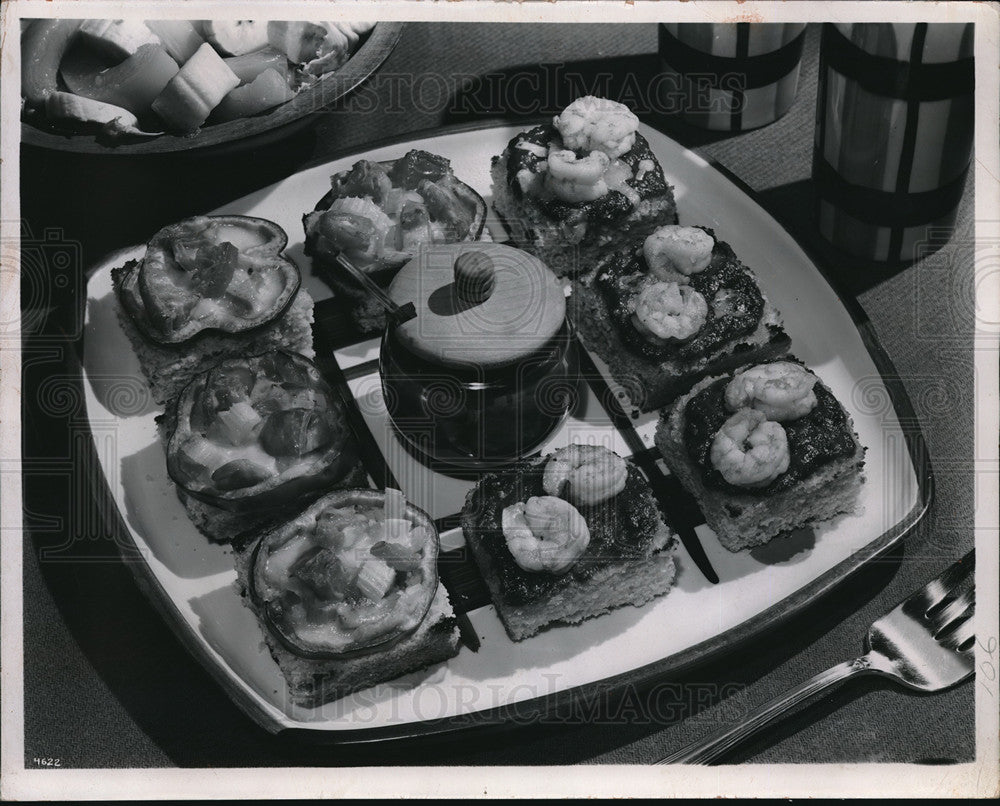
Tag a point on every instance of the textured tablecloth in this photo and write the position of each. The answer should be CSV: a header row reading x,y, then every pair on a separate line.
x,y
107,684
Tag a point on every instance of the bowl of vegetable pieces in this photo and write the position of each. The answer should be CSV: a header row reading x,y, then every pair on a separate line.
x,y
156,86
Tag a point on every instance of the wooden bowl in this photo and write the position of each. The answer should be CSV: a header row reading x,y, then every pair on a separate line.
x,y
289,117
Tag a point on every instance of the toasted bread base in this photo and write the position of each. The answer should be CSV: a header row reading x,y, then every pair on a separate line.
x,y
652,384
634,582
312,683
569,250
744,521
614,583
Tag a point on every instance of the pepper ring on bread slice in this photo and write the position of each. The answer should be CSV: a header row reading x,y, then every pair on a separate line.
x,y
207,288
347,594
253,439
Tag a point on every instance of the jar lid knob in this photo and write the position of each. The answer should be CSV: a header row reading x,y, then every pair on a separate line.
x,y
475,277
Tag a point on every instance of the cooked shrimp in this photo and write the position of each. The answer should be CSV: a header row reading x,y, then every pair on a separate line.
x,y
585,474
750,450
574,179
670,249
590,124
781,390
667,310
545,533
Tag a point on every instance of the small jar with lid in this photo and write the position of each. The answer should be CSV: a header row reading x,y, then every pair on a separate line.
x,y
487,370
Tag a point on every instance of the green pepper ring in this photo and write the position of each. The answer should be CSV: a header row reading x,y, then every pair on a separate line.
x,y
342,498
335,463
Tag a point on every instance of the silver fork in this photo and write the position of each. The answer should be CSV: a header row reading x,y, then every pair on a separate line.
x,y
925,643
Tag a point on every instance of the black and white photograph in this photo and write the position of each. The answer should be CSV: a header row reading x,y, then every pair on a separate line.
x,y
499,399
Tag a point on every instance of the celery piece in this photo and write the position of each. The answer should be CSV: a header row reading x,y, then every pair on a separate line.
x,y
239,420
375,579
396,528
395,504
196,456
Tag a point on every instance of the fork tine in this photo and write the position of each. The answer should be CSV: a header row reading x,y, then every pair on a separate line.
x,y
937,590
953,611
961,635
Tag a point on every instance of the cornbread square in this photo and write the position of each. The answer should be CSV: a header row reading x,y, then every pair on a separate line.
x,y
629,559
741,518
571,238
653,376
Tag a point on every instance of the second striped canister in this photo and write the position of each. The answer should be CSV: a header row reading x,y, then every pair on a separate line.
x,y
893,141
729,76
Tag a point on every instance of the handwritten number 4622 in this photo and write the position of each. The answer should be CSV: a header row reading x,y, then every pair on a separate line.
x,y
47,762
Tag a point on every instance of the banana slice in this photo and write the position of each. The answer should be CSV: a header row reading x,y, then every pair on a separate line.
x,y
118,39
67,106
235,37
199,86
179,37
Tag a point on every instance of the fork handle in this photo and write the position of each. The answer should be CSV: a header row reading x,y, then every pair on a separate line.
x,y
707,750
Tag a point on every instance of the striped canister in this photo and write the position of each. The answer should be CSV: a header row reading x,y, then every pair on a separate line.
x,y
893,143
729,76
